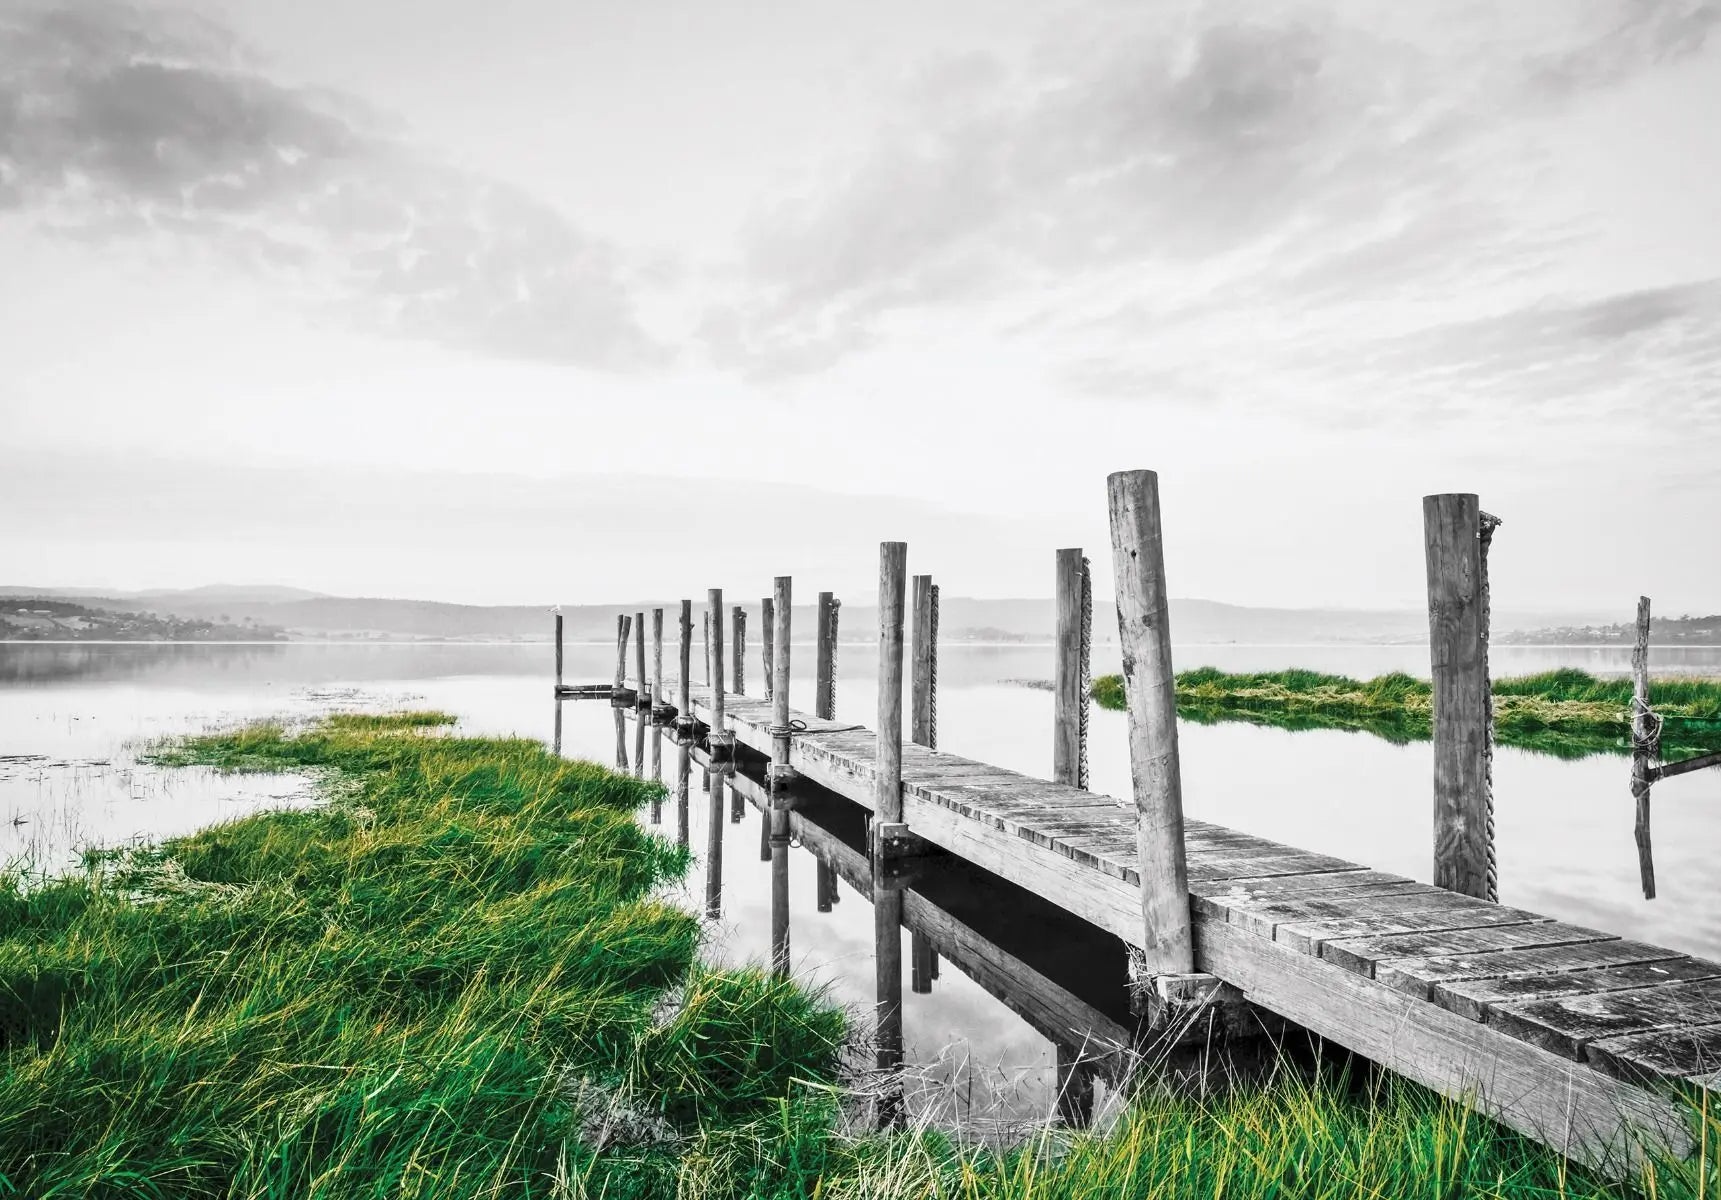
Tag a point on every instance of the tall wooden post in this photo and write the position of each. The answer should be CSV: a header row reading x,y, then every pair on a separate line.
x,y
923,727
623,624
1144,636
825,660
782,611
892,584
1068,700
715,603
558,652
1458,657
738,649
705,647
657,699
644,692
767,640
1644,748
684,686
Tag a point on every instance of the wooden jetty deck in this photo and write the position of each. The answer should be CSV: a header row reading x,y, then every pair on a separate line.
x,y
1590,1042
1560,1031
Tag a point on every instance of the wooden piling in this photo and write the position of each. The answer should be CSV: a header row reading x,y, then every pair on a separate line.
x,y
782,609
657,696
639,656
1458,658
715,605
684,690
738,649
623,624
558,652
825,660
1068,702
767,639
1643,748
892,584
924,680
1144,636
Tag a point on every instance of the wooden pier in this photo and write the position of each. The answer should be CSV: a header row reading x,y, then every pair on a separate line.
x,y
1575,1036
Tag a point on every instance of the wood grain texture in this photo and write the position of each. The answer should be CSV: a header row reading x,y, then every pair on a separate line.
x,y
892,584
1457,657
782,606
921,681
1144,637
824,661
1067,697
768,644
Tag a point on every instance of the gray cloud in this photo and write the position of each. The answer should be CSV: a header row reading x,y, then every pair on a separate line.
x,y
1336,152
119,120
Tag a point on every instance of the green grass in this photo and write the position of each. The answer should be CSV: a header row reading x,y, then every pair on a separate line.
x,y
1567,713
452,980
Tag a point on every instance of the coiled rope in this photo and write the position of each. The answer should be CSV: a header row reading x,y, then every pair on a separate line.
x,y
1485,535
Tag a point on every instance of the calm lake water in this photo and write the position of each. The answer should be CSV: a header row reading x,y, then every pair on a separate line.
x,y
72,717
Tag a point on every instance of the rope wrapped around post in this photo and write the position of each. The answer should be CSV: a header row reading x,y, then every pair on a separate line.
x,y
1486,526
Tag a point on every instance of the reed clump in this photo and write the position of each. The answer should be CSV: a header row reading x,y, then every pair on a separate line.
x,y
1567,713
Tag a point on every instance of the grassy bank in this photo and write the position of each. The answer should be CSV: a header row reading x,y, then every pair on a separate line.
x,y
452,980
1567,713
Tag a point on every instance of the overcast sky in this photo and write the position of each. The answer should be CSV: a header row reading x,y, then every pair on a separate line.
x,y
546,300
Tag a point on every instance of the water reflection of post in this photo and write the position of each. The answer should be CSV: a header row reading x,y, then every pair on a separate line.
x,y
921,957
656,704
825,879
1075,1087
887,809
714,772
682,769
620,740
683,730
557,741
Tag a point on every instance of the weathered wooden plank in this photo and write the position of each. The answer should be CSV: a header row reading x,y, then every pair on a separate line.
x,y
1477,997
1312,937
1566,1024
1267,913
1223,891
1691,1054
1417,974
1361,953
1579,1111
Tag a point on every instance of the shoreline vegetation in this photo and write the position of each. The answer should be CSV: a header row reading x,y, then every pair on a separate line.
x,y
1565,713
456,978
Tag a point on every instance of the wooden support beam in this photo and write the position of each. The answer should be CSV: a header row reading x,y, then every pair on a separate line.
x,y
892,584
1643,748
1068,701
1457,643
1686,765
825,659
1144,636
923,688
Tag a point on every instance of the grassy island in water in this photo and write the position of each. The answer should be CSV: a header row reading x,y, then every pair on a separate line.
x,y
455,978
1567,713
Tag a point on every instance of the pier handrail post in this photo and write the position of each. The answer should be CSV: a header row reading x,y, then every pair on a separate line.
x,y
558,652
1144,636
1644,748
714,618
892,584
1067,698
767,637
738,648
639,656
1458,660
923,722
825,661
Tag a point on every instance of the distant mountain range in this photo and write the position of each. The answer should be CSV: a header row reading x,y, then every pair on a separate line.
x,y
306,615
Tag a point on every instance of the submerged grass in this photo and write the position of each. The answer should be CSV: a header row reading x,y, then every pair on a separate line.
x,y
453,980
1567,713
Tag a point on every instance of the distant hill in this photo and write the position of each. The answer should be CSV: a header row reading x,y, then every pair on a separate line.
x,y
1663,631
225,592
44,619
309,616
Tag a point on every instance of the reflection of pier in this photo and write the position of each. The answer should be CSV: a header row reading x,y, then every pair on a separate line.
x,y
1569,1034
